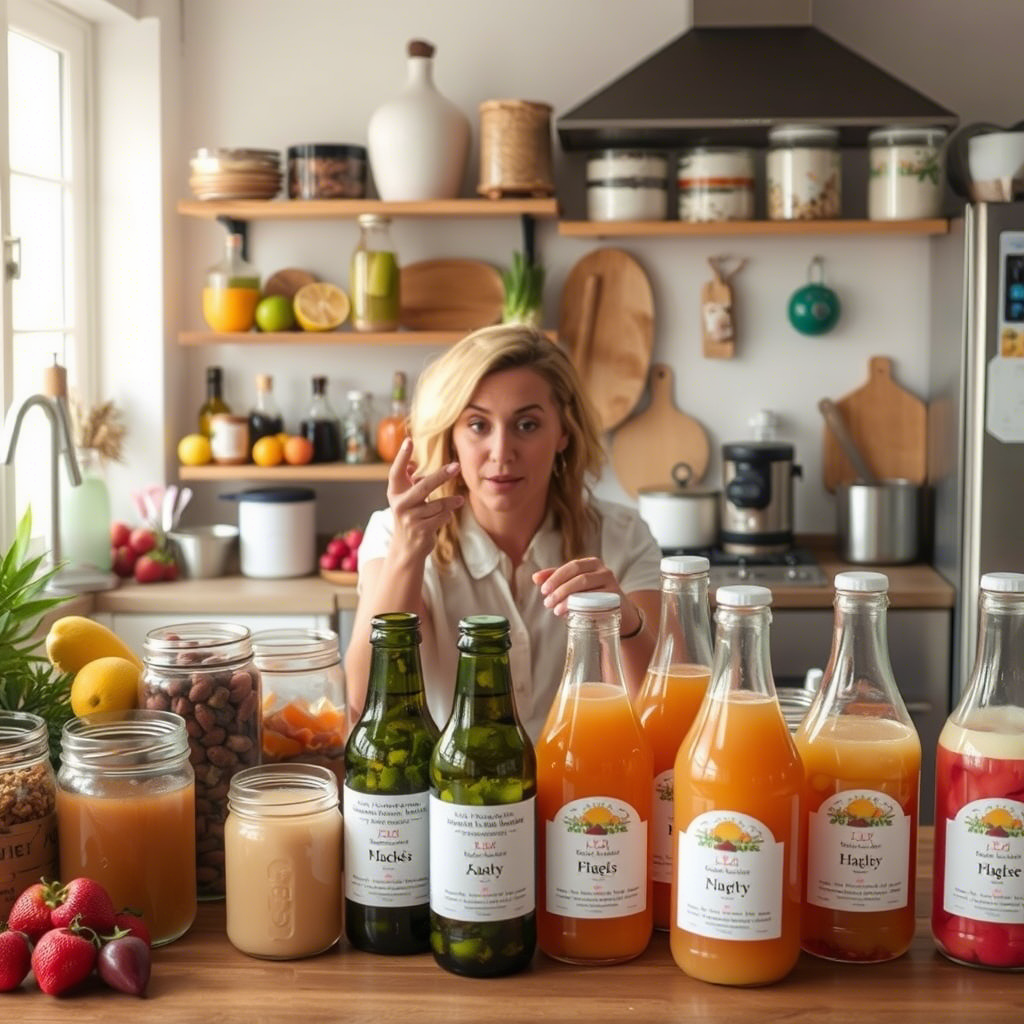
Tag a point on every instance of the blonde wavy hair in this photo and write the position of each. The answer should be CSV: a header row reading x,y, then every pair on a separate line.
x,y
445,389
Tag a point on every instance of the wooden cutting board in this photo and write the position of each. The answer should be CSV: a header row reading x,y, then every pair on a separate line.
x,y
888,425
645,449
607,323
450,295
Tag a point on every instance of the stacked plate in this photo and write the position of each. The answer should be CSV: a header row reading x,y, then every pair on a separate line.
x,y
235,173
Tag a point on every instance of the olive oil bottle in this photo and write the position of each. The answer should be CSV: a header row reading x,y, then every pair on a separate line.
x,y
386,815
483,785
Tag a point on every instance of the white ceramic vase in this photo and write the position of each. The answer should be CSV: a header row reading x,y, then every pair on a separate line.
x,y
419,141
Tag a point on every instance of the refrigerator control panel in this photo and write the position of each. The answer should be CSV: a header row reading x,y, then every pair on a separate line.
x,y
1004,409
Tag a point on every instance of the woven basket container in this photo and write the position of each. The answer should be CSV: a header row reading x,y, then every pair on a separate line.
x,y
515,149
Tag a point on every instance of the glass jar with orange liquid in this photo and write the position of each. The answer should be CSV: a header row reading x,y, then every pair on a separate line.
x,y
737,813
862,770
126,814
978,893
231,291
671,693
594,778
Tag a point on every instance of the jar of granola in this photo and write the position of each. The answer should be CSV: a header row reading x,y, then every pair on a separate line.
x,y
803,172
205,672
28,802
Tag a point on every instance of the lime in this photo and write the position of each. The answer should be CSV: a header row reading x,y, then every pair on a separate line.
x,y
274,313
320,306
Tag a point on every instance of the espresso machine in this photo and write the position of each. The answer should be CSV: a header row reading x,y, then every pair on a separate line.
x,y
757,497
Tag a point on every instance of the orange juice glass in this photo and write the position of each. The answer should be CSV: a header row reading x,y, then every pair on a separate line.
x,y
126,814
738,796
594,772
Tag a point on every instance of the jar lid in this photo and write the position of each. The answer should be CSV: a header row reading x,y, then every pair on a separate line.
x,y
803,135
684,565
357,396
1003,582
279,495
309,149
742,596
703,148
372,220
593,601
906,134
862,582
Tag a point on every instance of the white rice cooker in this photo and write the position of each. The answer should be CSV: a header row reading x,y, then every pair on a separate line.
x,y
276,531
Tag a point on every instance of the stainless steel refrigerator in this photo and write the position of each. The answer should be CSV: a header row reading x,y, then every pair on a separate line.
x,y
976,408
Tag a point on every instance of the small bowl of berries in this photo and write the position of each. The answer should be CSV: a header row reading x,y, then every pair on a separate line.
x,y
339,557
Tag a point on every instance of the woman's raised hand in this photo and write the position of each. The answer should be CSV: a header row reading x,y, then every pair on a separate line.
x,y
576,577
418,517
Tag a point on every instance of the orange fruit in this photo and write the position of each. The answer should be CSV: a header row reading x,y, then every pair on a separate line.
x,y
267,451
298,451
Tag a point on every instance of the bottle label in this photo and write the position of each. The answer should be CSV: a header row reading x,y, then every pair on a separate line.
x,y
482,860
729,878
858,853
596,859
661,827
28,852
985,862
387,849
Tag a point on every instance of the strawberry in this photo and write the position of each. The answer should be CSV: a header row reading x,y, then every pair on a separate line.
x,y
15,959
62,959
87,900
31,911
130,922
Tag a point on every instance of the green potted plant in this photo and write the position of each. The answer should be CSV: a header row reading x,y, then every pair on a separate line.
x,y
524,292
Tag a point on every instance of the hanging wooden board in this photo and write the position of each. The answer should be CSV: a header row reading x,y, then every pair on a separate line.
x,y
607,323
450,295
645,449
887,423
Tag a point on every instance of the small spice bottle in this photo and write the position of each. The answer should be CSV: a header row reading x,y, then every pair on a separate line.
x,y
28,815
283,856
355,429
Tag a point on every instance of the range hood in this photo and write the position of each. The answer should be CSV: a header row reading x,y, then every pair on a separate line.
x,y
730,85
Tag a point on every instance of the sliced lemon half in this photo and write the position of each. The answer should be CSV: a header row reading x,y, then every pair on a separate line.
x,y
320,306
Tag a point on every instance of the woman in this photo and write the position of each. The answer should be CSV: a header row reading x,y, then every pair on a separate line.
x,y
489,512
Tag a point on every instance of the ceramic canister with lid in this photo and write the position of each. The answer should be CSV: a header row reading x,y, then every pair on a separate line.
x,y
716,183
627,185
804,174
905,172
276,531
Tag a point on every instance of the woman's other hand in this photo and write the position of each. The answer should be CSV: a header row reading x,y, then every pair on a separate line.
x,y
418,517
579,576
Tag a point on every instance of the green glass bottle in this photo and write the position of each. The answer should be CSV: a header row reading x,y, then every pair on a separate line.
x,y
483,786
386,810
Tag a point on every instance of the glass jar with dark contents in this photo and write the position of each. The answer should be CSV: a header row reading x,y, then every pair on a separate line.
x,y
326,171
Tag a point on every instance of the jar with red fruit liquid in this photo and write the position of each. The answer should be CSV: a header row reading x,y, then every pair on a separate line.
x,y
978,896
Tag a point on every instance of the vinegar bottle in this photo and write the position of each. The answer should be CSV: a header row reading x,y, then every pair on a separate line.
x,y
214,403
483,796
264,417
676,681
594,773
321,426
386,797
738,786
978,895
862,770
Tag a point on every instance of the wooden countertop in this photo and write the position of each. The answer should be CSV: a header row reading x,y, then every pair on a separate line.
x,y
201,977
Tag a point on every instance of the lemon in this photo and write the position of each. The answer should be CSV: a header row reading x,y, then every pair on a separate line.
x,y
274,313
74,641
105,684
268,451
320,306
194,450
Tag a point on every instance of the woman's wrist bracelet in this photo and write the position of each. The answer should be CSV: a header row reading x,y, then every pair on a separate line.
x,y
639,625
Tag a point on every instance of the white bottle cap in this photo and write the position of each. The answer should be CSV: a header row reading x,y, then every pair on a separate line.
x,y
593,601
1003,582
684,565
862,582
743,596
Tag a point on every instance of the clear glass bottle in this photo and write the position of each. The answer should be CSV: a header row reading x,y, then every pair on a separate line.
x,y
126,813
374,281
214,403
393,428
594,780
978,892
738,811
28,811
303,697
669,698
862,770
265,417
321,426
355,429
281,843
231,291
483,784
386,797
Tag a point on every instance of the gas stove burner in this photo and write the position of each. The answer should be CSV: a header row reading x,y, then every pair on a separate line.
x,y
795,567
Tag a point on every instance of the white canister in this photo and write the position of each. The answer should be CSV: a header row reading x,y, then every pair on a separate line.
x,y
905,173
803,171
716,183
276,531
627,185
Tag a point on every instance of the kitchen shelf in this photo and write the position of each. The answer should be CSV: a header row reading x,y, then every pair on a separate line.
x,y
312,472
675,228
318,209
393,338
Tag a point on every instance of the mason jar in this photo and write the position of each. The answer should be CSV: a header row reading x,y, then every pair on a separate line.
x,y
283,842
804,173
126,814
625,184
905,173
28,815
716,183
204,672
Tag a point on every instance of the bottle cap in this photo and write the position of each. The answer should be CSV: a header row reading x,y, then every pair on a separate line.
x,y
213,374
593,601
862,582
743,596
684,565
1003,582
264,382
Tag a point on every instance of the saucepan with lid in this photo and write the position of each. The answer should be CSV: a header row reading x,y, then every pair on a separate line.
x,y
681,515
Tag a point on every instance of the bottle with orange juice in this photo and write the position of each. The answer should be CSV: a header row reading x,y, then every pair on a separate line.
x,y
232,290
676,681
594,772
737,813
862,769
